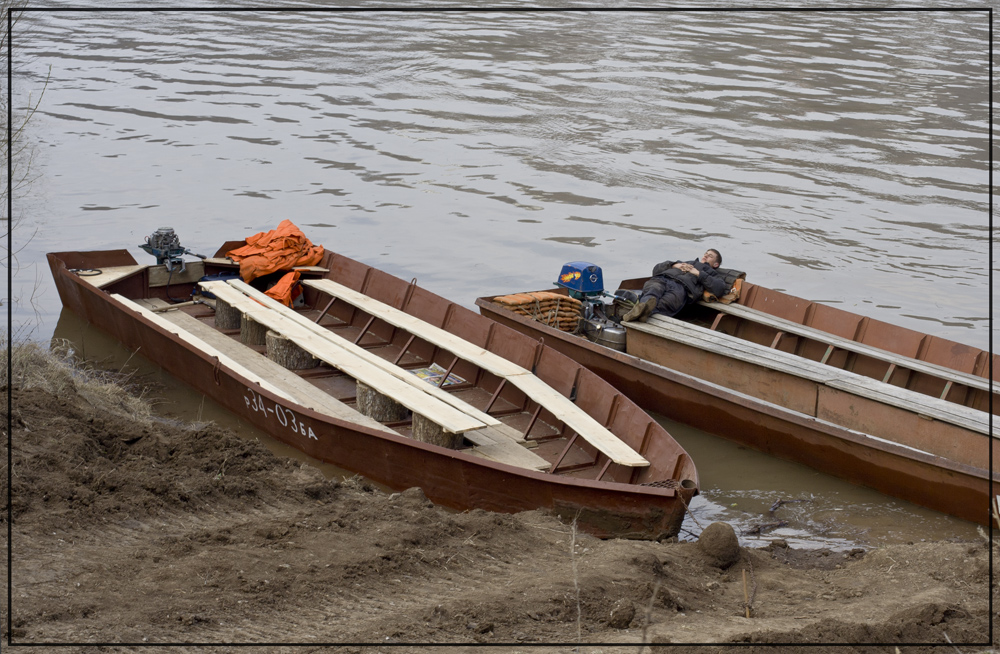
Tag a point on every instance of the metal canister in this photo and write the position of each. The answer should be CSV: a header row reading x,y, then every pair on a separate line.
x,y
606,333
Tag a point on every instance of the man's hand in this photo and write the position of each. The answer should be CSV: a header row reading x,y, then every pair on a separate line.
x,y
688,268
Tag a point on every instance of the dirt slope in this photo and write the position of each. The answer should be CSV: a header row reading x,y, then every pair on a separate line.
x,y
145,532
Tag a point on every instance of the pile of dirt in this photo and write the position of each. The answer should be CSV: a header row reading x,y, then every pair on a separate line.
x,y
139,531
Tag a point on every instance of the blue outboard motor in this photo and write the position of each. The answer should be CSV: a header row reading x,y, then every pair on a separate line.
x,y
583,280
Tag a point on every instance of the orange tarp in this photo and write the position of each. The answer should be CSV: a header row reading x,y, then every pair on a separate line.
x,y
279,249
285,291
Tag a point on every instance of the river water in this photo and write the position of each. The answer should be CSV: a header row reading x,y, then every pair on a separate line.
x,y
839,156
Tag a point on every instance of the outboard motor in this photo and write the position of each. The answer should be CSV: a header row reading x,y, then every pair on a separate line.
x,y
585,282
166,247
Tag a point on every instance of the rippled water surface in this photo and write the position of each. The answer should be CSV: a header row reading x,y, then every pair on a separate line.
x,y
840,156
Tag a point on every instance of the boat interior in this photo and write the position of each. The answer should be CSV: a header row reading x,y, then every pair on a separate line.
x,y
847,341
440,374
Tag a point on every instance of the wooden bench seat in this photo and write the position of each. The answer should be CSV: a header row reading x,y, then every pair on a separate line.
x,y
370,357
112,274
496,444
839,342
761,355
226,261
495,441
205,347
440,413
559,405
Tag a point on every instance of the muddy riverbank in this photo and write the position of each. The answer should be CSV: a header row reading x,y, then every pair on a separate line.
x,y
130,529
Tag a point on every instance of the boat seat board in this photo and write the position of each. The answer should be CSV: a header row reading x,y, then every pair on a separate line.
x,y
111,275
304,393
976,421
493,444
761,355
899,360
368,356
226,261
559,405
440,413
730,346
200,344
460,347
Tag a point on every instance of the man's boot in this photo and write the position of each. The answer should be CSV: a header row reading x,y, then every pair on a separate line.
x,y
641,310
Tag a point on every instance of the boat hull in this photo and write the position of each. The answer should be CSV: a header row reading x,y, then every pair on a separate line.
x,y
448,477
704,393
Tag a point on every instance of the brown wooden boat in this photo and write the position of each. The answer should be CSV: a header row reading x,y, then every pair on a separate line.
x,y
383,378
905,413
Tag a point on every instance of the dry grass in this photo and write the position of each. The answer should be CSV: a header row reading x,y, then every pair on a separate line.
x,y
58,371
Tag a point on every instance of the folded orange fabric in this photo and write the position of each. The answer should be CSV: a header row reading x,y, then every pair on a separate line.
x,y
279,249
285,290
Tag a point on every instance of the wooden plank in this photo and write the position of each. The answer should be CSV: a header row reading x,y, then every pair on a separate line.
x,y
899,360
695,336
111,274
198,343
932,407
559,405
160,276
226,261
485,359
304,393
491,442
700,337
449,418
370,357
495,445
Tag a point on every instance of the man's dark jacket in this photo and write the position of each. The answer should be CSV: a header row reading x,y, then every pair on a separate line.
x,y
709,279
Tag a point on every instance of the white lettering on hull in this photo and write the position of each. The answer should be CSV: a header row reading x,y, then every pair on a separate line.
x,y
285,417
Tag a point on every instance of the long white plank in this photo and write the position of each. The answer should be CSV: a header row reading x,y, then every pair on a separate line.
x,y
582,423
370,357
304,393
761,355
446,416
462,348
198,343
917,365
494,443
700,337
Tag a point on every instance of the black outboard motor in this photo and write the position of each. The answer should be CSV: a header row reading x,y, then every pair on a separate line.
x,y
166,247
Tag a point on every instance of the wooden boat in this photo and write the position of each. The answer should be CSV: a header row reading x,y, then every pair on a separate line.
x,y
507,424
879,405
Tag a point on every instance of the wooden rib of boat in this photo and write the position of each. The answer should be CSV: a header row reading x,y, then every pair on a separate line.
x,y
905,413
383,378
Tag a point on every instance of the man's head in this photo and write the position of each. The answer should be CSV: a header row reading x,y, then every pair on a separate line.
x,y
712,258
